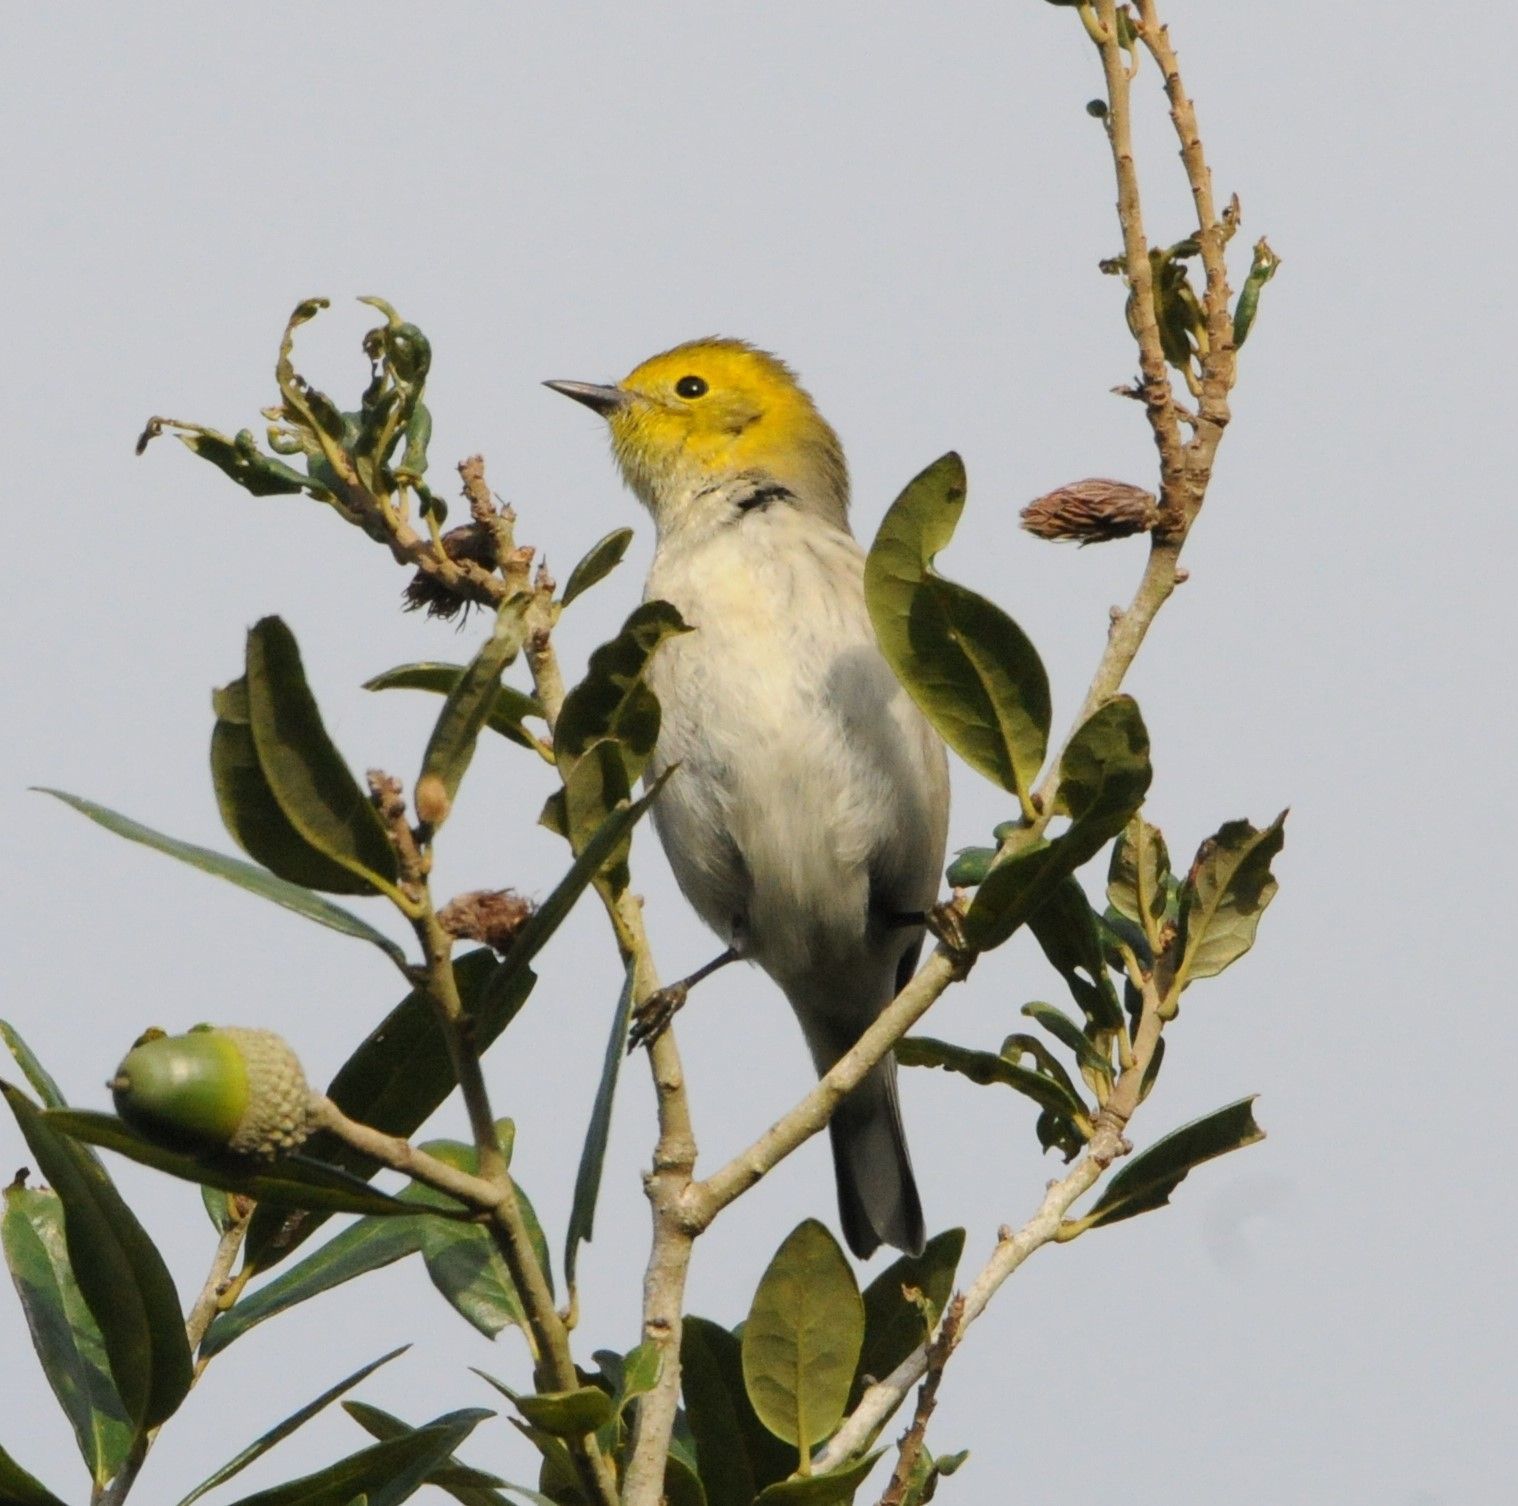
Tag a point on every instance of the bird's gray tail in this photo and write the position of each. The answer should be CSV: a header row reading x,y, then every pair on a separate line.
x,y
877,1194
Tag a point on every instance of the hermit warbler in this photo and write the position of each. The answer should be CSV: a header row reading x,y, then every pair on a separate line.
x,y
807,817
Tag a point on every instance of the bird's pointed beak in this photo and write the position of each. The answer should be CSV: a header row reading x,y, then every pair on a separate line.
x,y
605,400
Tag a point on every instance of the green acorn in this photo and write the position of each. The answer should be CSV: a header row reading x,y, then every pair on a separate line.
x,y
215,1089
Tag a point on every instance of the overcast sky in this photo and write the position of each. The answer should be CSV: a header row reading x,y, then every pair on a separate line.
x,y
908,202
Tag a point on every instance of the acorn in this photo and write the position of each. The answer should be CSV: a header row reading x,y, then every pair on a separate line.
x,y
215,1089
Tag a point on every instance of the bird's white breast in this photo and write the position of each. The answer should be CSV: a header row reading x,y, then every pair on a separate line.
x,y
806,776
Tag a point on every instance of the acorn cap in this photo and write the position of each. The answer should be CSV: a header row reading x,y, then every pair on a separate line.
x,y
216,1089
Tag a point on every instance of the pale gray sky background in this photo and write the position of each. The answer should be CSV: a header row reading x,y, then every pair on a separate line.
x,y
907,201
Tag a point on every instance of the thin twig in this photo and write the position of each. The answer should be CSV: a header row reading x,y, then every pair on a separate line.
x,y
1186,471
1158,399
674,1161
207,1303
1212,232
402,1156
909,1449
704,1200
508,1225
202,1311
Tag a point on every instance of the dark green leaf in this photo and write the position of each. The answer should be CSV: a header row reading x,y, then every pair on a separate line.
x,y
600,849
1224,896
510,708
1066,929
613,700
558,1476
472,698
970,866
363,1247
682,1486
1068,1033
922,1481
397,1078
968,666
258,474
1116,932
388,1473
1019,1044
985,1068
251,814
462,1260
67,1339
312,415
711,1408
18,1488
1147,1181
837,1486
582,1214
120,1273
219,1207
598,562
802,1337
736,1454
245,875
640,1373
472,1487
319,796
1136,876
1104,775
567,1414
277,1434
893,1326
32,1069
1056,1132
293,1181
596,784
1262,269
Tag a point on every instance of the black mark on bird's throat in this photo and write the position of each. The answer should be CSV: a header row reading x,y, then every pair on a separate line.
x,y
763,495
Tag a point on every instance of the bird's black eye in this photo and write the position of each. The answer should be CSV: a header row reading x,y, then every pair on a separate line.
x,y
690,386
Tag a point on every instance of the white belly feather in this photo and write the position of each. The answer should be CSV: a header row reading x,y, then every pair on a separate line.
x,y
809,785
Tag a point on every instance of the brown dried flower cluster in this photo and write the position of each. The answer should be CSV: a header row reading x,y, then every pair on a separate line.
x,y
473,543
491,916
1092,511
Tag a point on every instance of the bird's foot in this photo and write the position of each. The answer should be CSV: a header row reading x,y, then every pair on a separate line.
x,y
946,921
651,1018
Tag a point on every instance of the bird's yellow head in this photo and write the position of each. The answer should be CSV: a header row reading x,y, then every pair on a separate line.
x,y
712,410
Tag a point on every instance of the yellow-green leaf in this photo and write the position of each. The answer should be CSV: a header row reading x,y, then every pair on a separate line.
x,y
598,562
802,1338
969,667
1224,896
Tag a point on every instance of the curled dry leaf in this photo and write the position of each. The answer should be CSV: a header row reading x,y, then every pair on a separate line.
x,y
1092,511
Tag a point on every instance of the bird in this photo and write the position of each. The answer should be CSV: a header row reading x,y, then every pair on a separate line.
x,y
807,814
